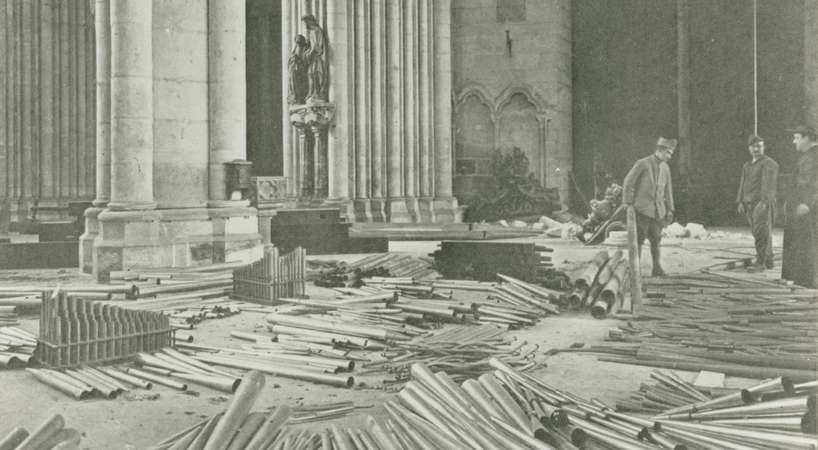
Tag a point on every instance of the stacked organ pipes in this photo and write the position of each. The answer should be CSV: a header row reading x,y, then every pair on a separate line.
x,y
772,406
16,348
716,322
670,390
397,265
601,284
167,367
75,331
500,409
49,435
272,277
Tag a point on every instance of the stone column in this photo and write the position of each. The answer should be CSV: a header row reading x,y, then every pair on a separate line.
x,y
339,23
131,105
395,67
227,122
102,35
103,80
683,91
444,205
811,62
319,158
300,162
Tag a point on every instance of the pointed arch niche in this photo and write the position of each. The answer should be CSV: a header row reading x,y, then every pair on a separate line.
x,y
515,118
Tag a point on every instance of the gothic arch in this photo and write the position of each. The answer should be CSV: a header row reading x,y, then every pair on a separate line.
x,y
480,92
530,93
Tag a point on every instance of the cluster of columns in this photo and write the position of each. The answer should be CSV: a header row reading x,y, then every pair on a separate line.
x,y
46,107
139,133
389,152
125,102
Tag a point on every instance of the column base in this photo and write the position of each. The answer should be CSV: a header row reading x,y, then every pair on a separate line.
x,y
446,210
397,211
228,203
174,238
86,251
131,206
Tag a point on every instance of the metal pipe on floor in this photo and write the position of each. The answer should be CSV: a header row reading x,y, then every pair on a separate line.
x,y
124,377
41,435
60,384
249,389
157,379
13,438
268,430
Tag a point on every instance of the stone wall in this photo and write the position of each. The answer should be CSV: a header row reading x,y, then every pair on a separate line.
x,y
512,86
46,107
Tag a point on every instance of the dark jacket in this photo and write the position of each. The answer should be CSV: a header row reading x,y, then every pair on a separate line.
x,y
639,188
769,180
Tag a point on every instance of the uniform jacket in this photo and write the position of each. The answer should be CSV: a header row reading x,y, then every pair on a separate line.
x,y
769,177
640,188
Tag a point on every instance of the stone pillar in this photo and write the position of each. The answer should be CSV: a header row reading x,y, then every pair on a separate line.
x,y
319,157
103,80
227,123
300,162
362,86
131,105
811,62
410,123
339,21
445,203
102,33
683,91
396,207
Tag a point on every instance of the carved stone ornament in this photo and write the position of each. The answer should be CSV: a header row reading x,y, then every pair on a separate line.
x,y
312,115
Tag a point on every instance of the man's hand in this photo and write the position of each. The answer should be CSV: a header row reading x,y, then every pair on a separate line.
x,y
801,209
741,208
669,218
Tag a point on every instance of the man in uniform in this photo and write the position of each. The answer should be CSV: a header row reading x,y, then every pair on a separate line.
x,y
648,189
756,200
800,244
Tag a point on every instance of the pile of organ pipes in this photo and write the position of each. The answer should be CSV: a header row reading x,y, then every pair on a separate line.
x,y
16,348
341,274
600,285
50,435
775,412
669,391
501,409
720,323
167,367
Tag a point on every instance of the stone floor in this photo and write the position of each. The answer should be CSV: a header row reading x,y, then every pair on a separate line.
x,y
136,424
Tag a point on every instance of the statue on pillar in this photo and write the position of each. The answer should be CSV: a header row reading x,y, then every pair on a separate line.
x,y
316,57
297,64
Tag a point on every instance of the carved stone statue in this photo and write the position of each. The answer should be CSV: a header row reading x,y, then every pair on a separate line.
x,y
297,65
316,57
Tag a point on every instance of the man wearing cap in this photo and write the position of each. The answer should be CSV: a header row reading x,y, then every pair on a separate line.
x,y
800,243
756,200
648,189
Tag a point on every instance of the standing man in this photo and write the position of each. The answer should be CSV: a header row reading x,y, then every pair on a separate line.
x,y
800,244
648,189
756,200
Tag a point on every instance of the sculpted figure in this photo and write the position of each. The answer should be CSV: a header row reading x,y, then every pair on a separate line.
x,y
297,65
316,57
